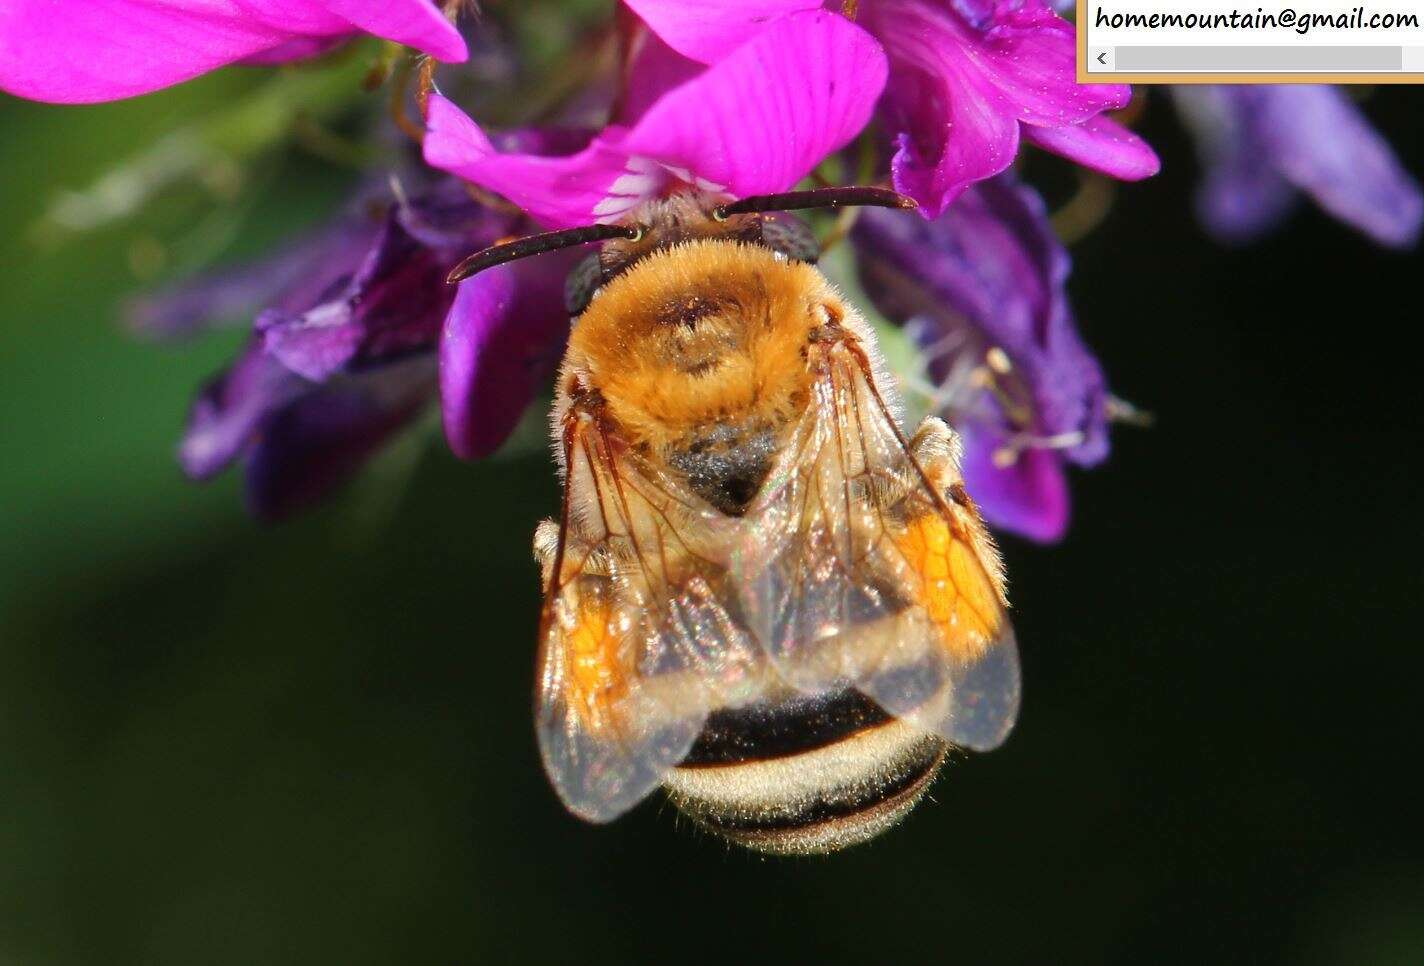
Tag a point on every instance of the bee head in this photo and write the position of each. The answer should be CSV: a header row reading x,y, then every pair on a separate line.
x,y
662,223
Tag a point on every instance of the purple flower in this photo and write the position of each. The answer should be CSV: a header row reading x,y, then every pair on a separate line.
x,y
298,440
100,50
982,290
967,80
328,378
1264,145
756,121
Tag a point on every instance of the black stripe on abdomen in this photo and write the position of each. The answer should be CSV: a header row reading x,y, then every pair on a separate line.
x,y
763,731
840,804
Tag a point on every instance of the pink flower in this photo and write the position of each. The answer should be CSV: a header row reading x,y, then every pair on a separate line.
x,y
968,80
756,121
82,51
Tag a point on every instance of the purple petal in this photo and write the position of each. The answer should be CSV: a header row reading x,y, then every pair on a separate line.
x,y
318,442
230,410
1029,497
711,29
500,341
100,50
445,219
320,267
1099,143
1241,203
1242,195
327,380
393,305
299,438
1256,140
755,122
1323,145
962,81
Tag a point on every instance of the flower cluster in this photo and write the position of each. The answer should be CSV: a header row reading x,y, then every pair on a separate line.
x,y
358,334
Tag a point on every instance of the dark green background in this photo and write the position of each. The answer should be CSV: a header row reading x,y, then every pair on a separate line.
x,y
221,743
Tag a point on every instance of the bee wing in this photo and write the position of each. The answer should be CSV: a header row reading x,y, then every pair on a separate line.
x,y
865,562
636,642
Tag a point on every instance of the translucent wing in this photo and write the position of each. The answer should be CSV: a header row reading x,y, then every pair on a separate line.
x,y
636,643
865,562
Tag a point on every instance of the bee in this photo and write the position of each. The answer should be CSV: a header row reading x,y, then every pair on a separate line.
x,y
759,594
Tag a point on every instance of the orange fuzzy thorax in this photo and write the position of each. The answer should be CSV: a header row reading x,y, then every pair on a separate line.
x,y
699,333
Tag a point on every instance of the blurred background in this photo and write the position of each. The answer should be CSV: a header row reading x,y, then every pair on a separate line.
x,y
228,743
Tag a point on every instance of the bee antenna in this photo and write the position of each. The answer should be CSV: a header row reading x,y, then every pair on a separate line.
x,y
816,198
538,244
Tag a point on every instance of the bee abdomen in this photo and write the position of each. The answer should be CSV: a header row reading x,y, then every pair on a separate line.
x,y
805,775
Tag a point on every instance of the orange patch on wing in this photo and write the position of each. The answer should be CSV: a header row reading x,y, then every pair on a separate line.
x,y
955,591
595,681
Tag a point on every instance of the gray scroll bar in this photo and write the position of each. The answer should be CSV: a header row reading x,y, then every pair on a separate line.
x,y
1258,58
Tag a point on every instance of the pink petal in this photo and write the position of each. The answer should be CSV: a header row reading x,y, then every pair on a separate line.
x,y
481,304
100,50
291,50
557,190
305,17
710,29
937,168
1102,144
1021,63
501,339
755,122
1030,57
415,23
655,68
761,119
106,49
959,90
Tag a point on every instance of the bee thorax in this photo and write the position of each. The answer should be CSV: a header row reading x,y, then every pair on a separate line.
x,y
726,464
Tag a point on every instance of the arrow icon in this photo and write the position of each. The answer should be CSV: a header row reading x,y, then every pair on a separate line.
x,y
1103,57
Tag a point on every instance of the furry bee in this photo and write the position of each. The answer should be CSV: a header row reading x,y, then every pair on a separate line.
x,y
760,594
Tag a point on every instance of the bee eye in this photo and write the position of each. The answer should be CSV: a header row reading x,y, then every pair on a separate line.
x,y
582,284
790,236
639,231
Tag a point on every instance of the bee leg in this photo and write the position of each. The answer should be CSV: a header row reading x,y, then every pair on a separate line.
x,y
546,550
546,546
938,450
